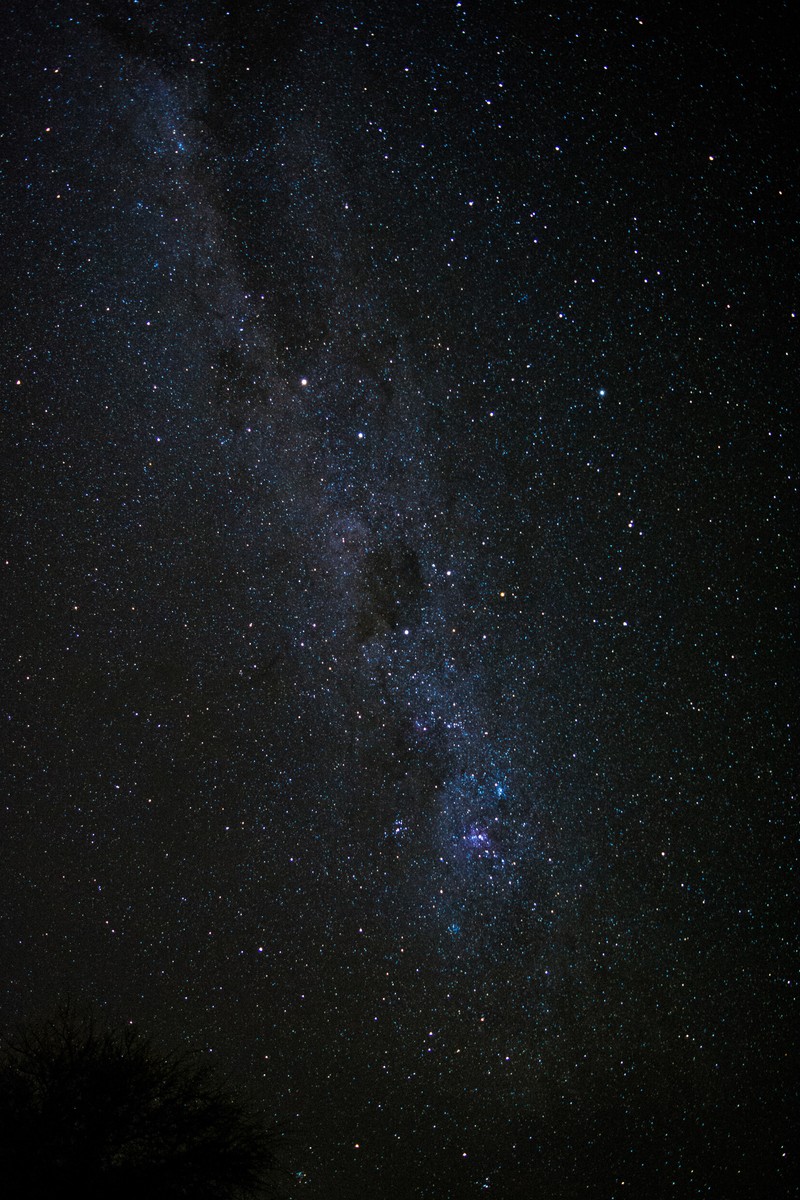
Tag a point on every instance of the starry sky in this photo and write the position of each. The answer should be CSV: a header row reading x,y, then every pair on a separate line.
x,y
398,573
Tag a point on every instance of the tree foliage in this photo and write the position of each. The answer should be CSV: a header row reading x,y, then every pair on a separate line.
x,y
90,1111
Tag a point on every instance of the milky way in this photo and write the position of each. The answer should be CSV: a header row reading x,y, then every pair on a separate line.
x,y
398,574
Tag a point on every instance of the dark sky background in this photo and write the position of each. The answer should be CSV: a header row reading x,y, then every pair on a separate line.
x,y
397,546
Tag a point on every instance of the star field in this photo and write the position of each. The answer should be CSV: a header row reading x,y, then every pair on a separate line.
x,y
398,570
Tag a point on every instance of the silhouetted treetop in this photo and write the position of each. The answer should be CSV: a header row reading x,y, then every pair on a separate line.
x,y
91,1111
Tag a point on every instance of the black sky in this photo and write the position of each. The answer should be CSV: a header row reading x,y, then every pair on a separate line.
x,y
397,538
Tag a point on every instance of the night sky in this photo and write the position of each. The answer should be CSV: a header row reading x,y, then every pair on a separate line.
x,y
398,559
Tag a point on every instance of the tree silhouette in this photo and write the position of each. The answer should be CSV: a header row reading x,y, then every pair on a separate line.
x,y
95,1112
